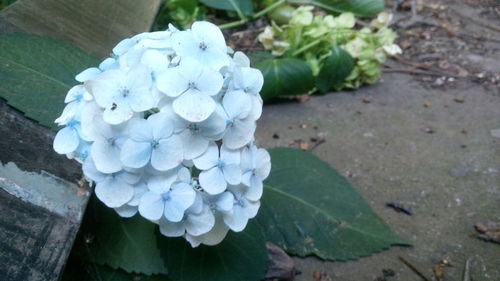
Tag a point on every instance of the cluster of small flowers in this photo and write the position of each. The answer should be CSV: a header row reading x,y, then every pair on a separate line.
x,y
165,127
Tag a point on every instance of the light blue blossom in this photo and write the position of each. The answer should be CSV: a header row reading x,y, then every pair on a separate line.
x,y
255,166
243,209
204,42
122,92
240,124
152,140
218,168
192,85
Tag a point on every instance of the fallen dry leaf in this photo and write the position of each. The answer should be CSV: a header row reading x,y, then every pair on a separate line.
x,y
281,266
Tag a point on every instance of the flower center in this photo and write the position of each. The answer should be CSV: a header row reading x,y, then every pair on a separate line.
x,y
194,127
111,141
191,85
220,164
229,122
203,46
154,143
166,196
124,91
240,202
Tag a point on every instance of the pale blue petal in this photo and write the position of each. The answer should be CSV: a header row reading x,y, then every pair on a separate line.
x,y
173,211
232,173
87,74
255,189
213,128
135,154
237,220
171,229
117,112
209,82
239,133
229,156
183,194
106,157
208,159
213,237
139,130
213,181
194,106
251,208
194,144
237,104
263,164
168,154
91,172
126,211
113,192
225,202
198,224
161,125
162,182
155,60
151,206
171,82
66,140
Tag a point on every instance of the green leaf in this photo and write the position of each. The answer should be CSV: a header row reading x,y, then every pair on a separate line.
x,y
129,244
240,256
362,8
36,73
77,270
309,208
285,77
244,6
335,69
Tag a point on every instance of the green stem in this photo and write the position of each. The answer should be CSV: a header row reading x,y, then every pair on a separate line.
x,y
268,9
257,15
306,47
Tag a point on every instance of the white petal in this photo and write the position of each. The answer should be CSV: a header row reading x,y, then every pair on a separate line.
x,y
151,206
167,154
250,80
135,154
251,208
123,46
161,125
194,106
209,82
237,220
241,60
140,130
213,127
113,192
208,159
194,144
126,211
232,173
162,182
172,229
105,86
213,181
106,157
155,60
117,113
87,74
210,34
229,156
173,211
239,133
139,190
255,189
263,164
66,140
171,82
213,237
237,104
183,194
198,224
90,171
225,202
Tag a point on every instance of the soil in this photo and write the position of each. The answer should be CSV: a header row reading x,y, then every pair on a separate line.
x,y
425,137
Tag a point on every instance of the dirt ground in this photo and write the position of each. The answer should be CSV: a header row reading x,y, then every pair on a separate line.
x,y
424,137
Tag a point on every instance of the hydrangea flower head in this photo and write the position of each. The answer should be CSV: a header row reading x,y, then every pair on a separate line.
x,y
165,129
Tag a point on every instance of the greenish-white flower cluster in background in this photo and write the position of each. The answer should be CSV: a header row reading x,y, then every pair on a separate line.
x,y
311,37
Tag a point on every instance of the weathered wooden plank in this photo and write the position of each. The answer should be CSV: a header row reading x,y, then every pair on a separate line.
x,y
95,26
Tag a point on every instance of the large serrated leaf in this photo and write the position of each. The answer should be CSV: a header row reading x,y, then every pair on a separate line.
x,y
82,271
129,244
36,73
335,69
309,208
285,77
240,256
244,6
362,8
